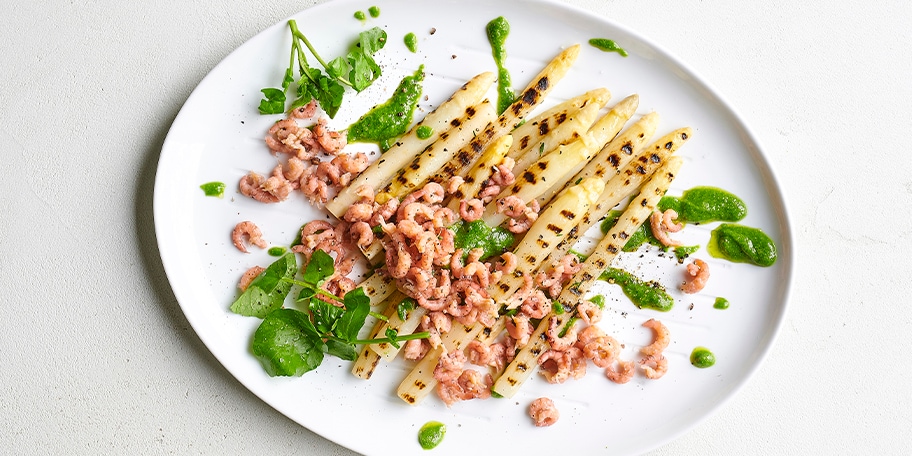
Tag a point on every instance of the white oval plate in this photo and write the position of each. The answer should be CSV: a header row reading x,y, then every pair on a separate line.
x,y
218,136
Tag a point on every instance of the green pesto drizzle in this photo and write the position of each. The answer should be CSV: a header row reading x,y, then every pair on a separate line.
x,y
645,295
607,45
642,235
424,132
685,251
742,244
705,204
566,328
477,234
411,42
598,300
701,357
389,120
374,11
721,303
216,189
582,256
497,30
431,434
557,307
359,15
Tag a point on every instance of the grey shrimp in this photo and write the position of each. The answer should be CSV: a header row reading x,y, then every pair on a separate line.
x,y
251,232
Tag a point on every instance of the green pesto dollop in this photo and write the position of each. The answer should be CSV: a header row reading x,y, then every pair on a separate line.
x,y
645,295
374,11
742,244
277,251
701,357
216,189
705,204
411,42
477,234
431,434
359,15
721,303
424,132
607,45
497,30
391,119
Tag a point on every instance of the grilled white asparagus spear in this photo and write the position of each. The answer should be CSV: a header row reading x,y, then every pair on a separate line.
x,y
367,360
534,93
408,325
415,174
439,153
614,155
638,211
538,242
623,184
553,166
559,125
481,171
431,158
406,148
378,287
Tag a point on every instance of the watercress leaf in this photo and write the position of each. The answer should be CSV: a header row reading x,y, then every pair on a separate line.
x,y
337,67
393,337
325,315
364,70
320,266
372,40
287,344
268,290
329,95
357,306
274,101
309,77
305,295
300,101
342,350
288,79
327,91
403,308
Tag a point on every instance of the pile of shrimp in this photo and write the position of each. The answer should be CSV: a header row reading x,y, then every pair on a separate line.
x,y
572,347
450,283
304,170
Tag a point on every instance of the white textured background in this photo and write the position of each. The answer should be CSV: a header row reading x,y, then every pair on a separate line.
x,y
97,358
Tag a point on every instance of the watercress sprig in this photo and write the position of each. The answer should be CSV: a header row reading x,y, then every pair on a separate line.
x,y
357,70
290,342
